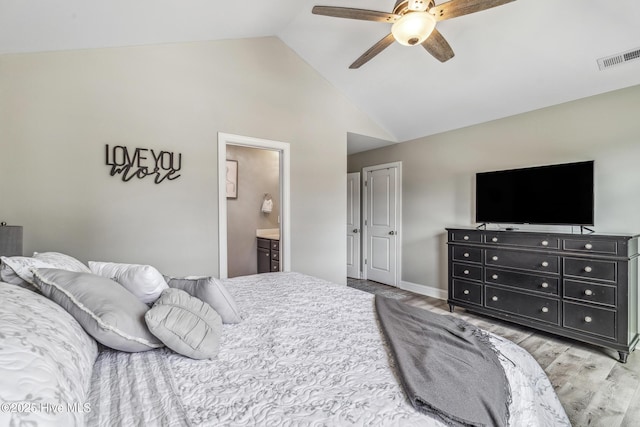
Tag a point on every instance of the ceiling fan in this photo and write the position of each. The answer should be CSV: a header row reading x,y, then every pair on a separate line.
x,y
414,23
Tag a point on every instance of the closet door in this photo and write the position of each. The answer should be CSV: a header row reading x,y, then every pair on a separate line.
x,y
382,230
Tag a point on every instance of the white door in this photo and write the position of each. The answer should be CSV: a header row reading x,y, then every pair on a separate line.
x,y
382,233
353,225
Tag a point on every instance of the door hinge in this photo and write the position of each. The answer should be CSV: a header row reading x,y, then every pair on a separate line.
x,y
366,183
365,261
365,222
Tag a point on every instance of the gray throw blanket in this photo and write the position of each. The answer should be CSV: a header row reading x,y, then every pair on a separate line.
x,y
448,367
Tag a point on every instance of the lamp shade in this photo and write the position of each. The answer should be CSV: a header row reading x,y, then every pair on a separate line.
x,y
413,28
10,240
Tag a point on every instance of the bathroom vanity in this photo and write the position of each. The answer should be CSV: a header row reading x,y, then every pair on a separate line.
x,y
268,250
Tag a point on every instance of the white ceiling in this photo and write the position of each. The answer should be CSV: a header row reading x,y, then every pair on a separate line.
x,y
518,57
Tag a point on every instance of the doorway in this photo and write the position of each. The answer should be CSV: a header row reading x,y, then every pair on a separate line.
x,y
253,209
382,219
282,151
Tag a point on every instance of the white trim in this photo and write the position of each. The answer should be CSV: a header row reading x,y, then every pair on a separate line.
x,y
284,148
429,291
365,171
359,239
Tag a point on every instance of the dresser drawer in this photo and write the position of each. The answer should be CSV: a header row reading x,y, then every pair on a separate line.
x,y
531,282
591,269
523,260
467,254
467,272
470,236
466,291
275,255
275,245
591,246
590,292
275,265
542,242
590,319
264,243
526,305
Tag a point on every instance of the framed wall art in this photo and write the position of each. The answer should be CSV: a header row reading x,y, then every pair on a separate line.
x,y
232,179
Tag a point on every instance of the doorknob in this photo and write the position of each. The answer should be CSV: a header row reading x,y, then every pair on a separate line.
x,y
391,233
355,230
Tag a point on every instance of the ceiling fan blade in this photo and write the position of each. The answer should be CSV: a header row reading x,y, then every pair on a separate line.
x,y
373,51
455,8
362,14
437,46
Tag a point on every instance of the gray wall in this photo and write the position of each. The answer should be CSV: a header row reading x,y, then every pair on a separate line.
x,y
439,171
258,173
59,109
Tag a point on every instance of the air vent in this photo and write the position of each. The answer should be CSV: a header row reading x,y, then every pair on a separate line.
x,y
621,58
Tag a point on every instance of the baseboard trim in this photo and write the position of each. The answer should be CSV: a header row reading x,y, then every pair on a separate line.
x,y
429,291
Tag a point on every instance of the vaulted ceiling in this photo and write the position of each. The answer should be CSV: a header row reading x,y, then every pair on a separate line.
x,y
522,56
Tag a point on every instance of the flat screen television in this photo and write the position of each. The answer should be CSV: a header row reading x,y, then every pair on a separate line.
x,y
559,194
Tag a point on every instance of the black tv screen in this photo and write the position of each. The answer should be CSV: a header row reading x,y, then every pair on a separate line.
x,y
555,195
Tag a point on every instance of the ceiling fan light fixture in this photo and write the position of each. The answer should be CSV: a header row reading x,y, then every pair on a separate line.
x,y
417,5
413,28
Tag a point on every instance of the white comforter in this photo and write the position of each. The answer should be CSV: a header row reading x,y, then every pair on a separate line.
x,y
45,362
308,352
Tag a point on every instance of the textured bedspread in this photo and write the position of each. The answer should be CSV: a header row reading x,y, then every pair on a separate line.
x,y
308,352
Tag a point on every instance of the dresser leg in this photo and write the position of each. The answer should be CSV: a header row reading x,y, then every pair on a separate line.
x,y
623,356
451,308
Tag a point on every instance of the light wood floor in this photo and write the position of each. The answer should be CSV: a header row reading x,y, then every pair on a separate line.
x,y
594,388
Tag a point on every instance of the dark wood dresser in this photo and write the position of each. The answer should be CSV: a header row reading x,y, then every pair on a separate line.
x,y
580,286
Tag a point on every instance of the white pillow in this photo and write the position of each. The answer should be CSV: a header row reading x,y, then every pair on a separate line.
x,y
17,269
46,358
144,281
62,261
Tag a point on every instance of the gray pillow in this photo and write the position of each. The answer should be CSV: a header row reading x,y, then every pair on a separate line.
x,y
62,261
185,324
211,291
107,311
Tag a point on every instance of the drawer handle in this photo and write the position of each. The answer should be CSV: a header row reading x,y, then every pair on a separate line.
x,y
588,319
495,257
545,264
588,292
545,285
494,277
466,272
466,237
588,246
466,254
495,239
545,243
466,292
588,269
266,254
545,309
494,298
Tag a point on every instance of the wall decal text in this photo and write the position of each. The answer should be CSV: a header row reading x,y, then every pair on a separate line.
x,y
143,162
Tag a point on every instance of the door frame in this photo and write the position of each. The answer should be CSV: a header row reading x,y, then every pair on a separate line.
x,y
359,239
284,149
365,210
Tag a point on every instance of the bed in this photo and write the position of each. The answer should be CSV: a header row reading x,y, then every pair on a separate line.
x,y
307,352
